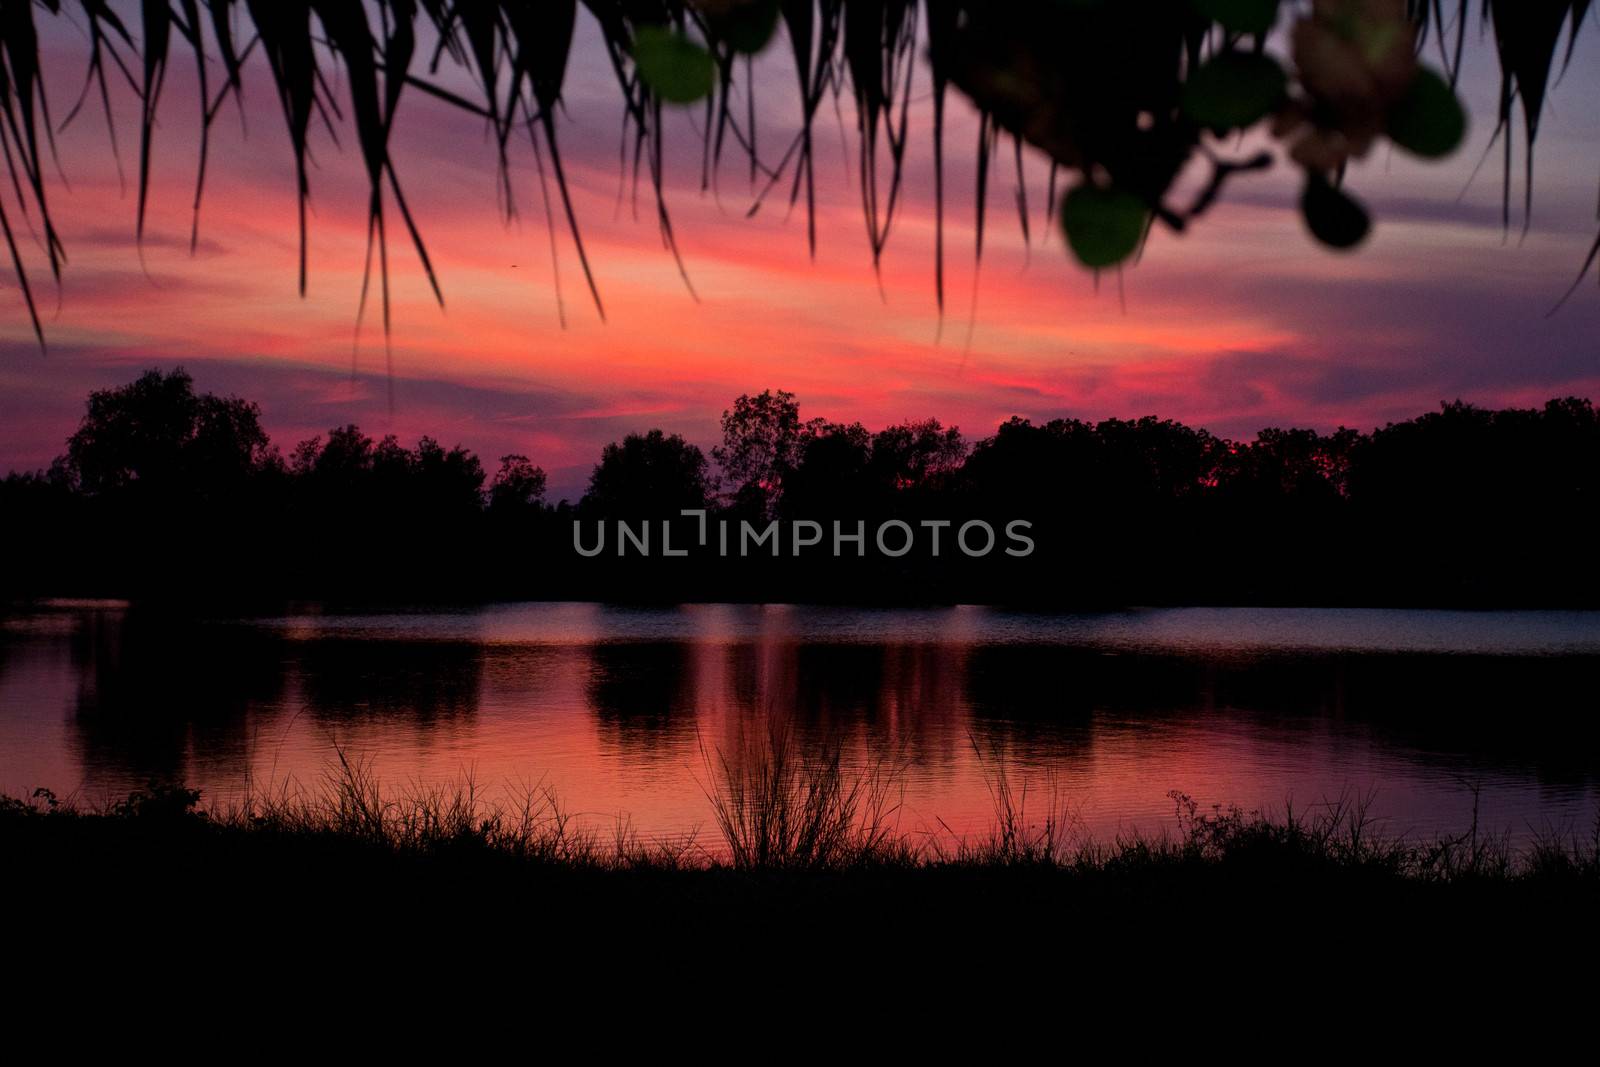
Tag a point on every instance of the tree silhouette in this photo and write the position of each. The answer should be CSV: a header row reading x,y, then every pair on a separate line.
x,y
167,493
761,443
518,486
155,437
915,454
349,482
652,475
446,482
834,474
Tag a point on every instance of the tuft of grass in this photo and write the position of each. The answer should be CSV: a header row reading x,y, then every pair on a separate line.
x,y
1017,838
1565,855
778,808
425,820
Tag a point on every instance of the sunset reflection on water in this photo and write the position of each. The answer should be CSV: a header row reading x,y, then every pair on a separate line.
x,y
620,709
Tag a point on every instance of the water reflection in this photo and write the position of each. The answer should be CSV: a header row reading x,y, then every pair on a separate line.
x,y
151,689
419,682
616,707
643,694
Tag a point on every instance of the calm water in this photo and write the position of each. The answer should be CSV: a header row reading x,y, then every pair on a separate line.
x,y
615,707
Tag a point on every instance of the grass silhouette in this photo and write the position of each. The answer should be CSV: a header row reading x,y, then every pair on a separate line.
x,y
779,806
808,904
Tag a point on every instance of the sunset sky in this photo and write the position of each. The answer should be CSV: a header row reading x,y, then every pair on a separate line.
x,y
1241,324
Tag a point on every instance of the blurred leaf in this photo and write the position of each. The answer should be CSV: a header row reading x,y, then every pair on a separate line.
x,y
1428,120
1335,218
1234,90
675,68
1103,226
747,25
1241,16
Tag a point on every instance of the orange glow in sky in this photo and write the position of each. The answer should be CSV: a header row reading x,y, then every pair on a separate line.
x,y
1240,324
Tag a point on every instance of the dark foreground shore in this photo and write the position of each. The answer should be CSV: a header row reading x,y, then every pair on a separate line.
x,y
802,892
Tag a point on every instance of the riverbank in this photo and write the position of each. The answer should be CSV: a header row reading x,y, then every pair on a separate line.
x,y
804,903
779,822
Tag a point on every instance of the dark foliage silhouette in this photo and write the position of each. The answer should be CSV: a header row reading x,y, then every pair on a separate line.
x,y
166,492
155,436
650,475
816,864
518,486
761,443
1119,97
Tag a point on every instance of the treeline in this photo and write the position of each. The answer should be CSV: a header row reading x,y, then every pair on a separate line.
x,y
168,493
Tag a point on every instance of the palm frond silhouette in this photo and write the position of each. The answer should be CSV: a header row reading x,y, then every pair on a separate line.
x,y
1120,97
